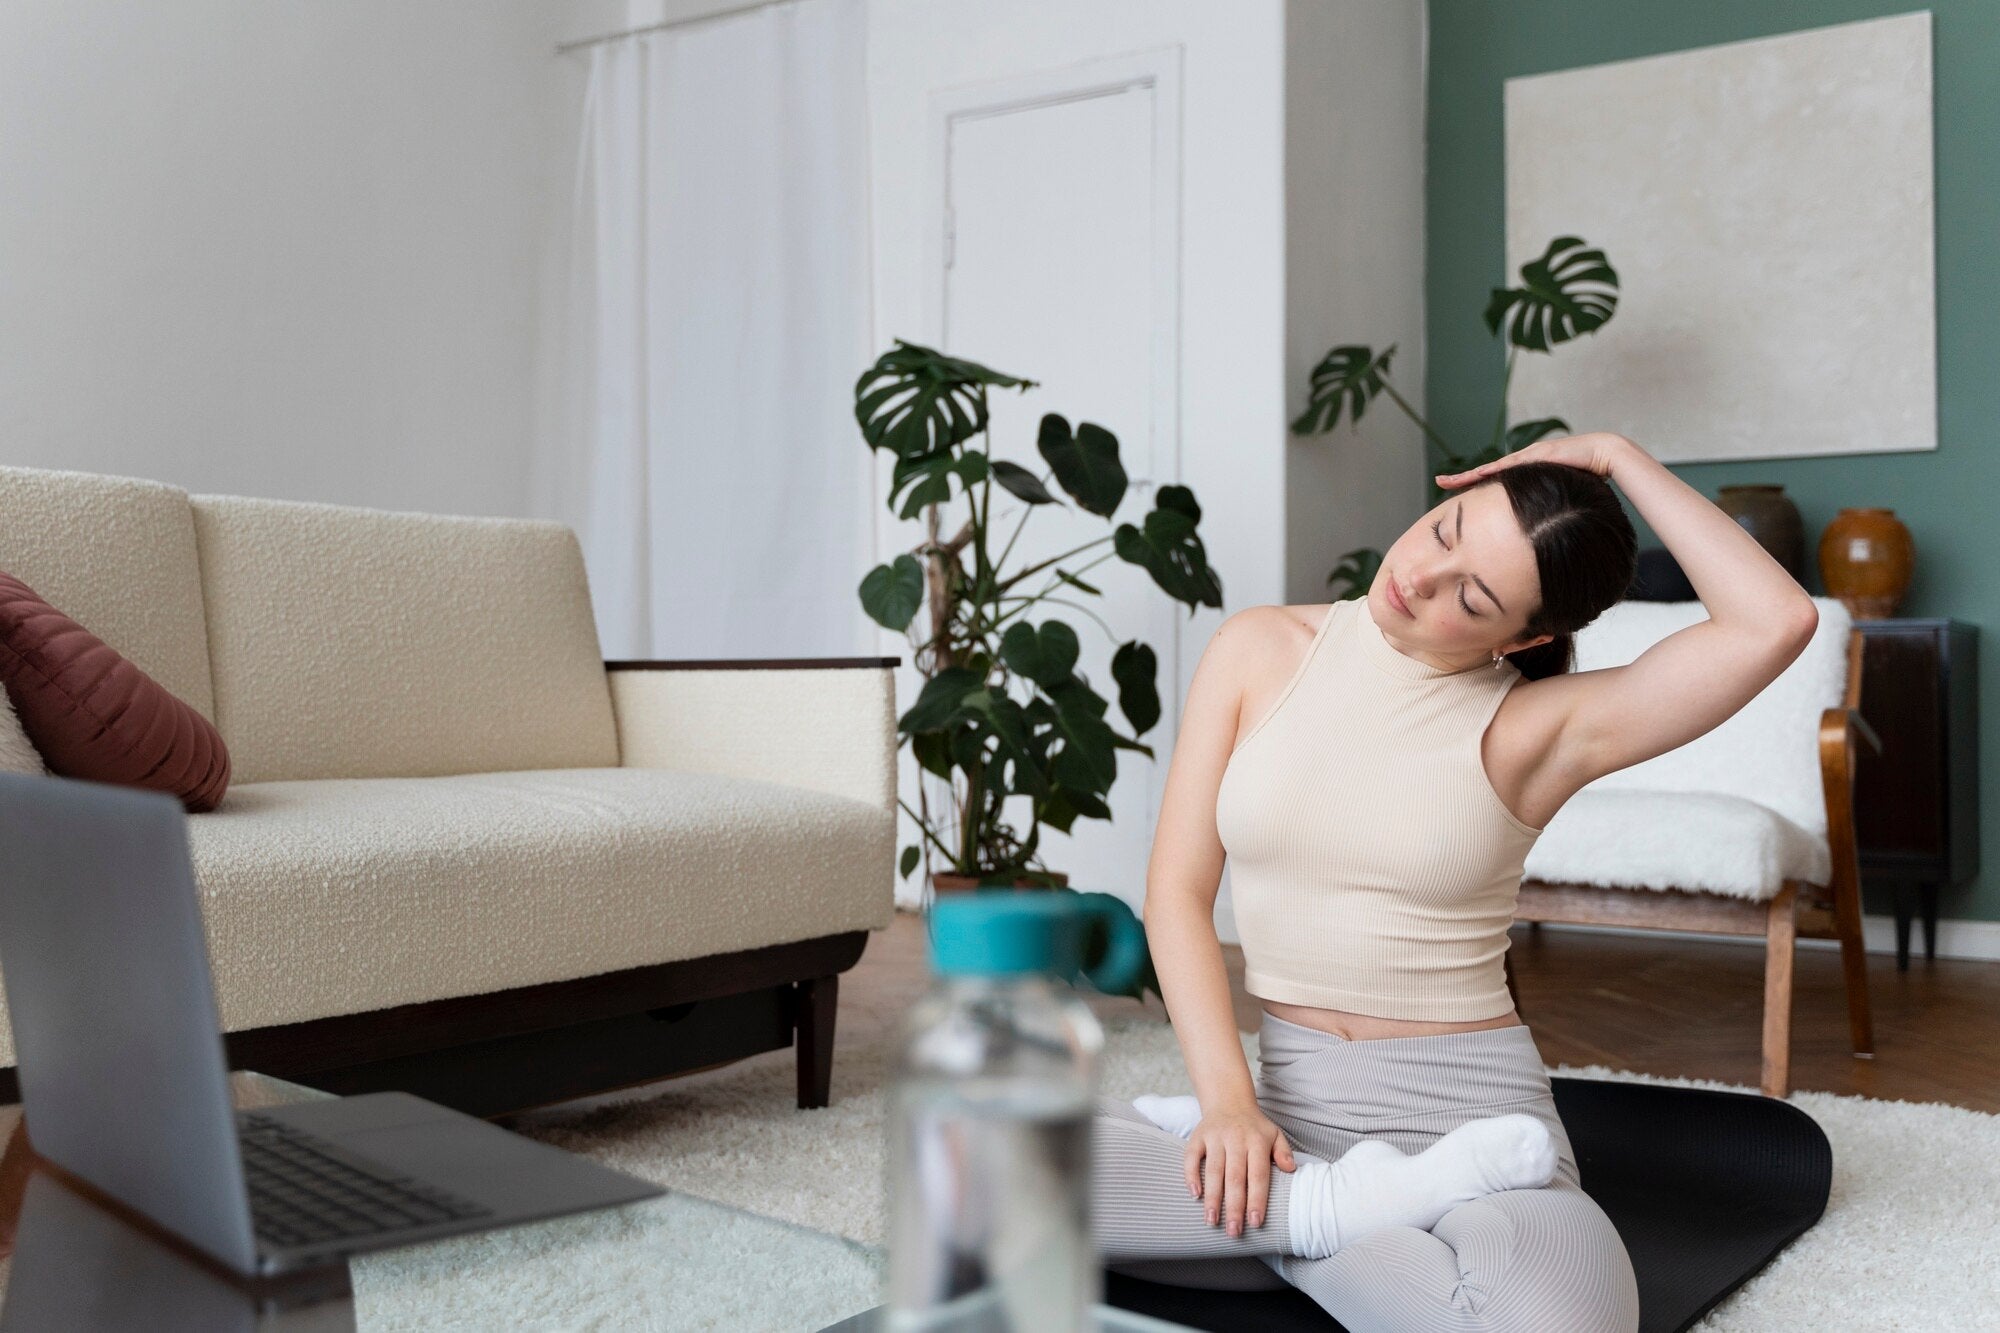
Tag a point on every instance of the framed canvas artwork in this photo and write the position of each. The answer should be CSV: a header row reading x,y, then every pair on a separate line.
x,y
1768,207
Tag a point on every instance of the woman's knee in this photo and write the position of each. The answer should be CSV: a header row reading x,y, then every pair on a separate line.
x,y
1538,1259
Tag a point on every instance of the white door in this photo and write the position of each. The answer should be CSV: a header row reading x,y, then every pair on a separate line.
x,y
1058,263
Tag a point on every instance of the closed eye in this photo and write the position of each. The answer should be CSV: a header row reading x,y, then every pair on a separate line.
x,y
1461,587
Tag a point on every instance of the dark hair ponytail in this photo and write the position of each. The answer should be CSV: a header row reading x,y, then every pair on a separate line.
x,y
1546,659
1586,555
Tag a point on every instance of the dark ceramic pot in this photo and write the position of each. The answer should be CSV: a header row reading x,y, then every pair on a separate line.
x,y
1768,514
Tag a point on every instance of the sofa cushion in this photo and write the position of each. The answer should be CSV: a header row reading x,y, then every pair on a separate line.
x,y
1635,839
94,714
358,643
117,555
341,896
338,896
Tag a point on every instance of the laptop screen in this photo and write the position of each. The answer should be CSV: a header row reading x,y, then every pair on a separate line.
x,y
116,1035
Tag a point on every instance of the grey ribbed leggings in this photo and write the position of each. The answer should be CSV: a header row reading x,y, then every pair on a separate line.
x,y
1540,1261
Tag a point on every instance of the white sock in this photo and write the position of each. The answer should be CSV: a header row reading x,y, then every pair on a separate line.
x,y
1176,1115
1375,1186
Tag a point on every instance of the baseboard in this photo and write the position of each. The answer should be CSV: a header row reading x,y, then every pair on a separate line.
x,y
1976,940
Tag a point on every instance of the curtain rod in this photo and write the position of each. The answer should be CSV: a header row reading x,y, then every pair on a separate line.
x,y
564,47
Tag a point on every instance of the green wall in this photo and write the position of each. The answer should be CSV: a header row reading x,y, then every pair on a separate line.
x,y
1947,497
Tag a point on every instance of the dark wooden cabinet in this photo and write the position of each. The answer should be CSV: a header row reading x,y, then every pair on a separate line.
x,y
1916,804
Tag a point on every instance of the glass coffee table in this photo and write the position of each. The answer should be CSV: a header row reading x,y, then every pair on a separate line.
x,y
670,1263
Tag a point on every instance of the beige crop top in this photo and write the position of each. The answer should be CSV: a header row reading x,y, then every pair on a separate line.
x,y
1372,865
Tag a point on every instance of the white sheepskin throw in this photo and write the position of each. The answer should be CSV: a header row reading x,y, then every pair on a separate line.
x,y
1738,810
1768,751
17,754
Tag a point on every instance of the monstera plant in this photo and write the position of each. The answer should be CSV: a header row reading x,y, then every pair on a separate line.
x,y
1003,711
1570,291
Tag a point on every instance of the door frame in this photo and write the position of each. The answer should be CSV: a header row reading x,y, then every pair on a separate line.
x,y
1155,68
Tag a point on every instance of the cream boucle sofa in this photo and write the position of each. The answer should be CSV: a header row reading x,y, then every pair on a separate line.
x,y
458,854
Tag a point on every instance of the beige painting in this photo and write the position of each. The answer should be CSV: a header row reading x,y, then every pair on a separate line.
x,y
1767,205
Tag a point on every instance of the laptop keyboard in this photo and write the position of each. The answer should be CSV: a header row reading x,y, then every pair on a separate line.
x,y
303,1189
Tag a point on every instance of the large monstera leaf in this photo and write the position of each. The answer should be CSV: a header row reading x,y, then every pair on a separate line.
x,y
1014,764
1166,547
917,402
929,478
1087,760
1136,669
1347,377
892,593
982,731
941,701
1563,296
1021,483
1085,463
1046,656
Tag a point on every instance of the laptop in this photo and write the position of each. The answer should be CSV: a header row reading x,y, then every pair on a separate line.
x,y
124,1086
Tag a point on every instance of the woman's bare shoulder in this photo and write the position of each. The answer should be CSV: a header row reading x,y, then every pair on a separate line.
x,y
1263,650
1249,640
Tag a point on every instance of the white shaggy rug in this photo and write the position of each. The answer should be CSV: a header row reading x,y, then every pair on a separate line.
x,y
1907,1242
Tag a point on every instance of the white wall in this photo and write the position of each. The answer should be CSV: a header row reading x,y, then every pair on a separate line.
x,y
1232,225
1354,259
285,249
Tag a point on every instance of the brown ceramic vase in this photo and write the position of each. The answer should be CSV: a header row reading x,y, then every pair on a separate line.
x,y
1866,557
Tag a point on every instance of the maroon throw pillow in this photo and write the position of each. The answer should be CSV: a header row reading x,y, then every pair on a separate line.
x,y
94,715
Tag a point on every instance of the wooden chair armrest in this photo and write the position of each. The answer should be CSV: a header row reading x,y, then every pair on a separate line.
x,y
1866,732
1836,756
1851,702
1837,728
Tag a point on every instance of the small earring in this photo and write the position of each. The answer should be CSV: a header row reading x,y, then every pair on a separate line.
x,y
1496,661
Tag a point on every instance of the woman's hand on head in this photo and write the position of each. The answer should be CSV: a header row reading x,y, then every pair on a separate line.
x,y
1238,1148
1595,452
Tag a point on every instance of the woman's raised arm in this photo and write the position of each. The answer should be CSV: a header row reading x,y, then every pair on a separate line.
x,y
1688,683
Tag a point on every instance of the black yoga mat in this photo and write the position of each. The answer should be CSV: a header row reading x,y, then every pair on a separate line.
x,y
1704,1187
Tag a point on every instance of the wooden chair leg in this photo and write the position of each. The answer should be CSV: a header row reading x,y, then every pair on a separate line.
x,y
817,1001
1853,964
1780,933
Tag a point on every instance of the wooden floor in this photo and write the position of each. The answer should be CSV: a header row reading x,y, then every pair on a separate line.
x,y
1657,1006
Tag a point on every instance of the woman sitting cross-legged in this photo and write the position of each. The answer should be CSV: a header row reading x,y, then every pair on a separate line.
x,y
1376,772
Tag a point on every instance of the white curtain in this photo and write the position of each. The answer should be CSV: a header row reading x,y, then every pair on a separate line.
x,y
717,320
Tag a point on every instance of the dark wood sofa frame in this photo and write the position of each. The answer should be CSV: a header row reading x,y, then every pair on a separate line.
x,y
510,1050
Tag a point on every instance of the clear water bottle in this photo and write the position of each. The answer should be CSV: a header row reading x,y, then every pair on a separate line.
x,y
989,1121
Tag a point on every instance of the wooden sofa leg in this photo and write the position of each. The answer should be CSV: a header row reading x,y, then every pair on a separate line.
x,y
817,1000
1780,932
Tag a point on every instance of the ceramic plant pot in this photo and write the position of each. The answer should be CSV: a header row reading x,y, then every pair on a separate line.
x,y
1769,515
1866,558
943,881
